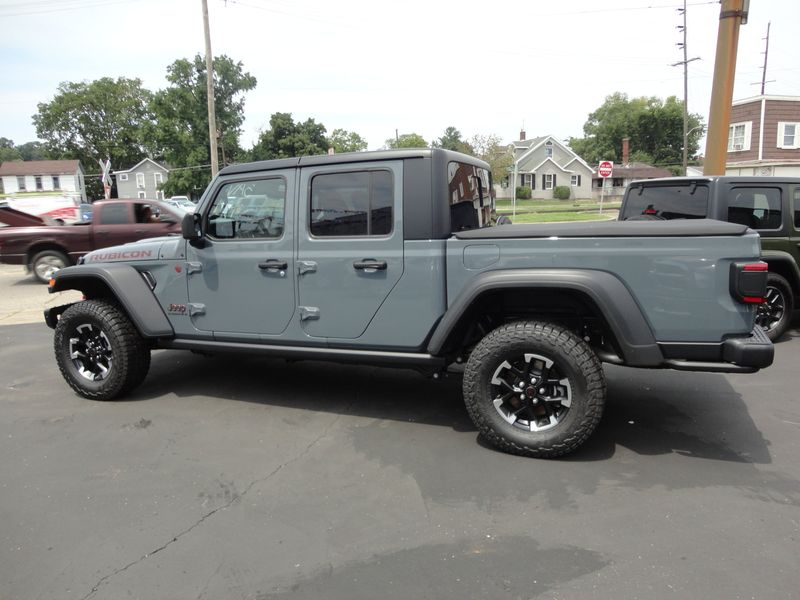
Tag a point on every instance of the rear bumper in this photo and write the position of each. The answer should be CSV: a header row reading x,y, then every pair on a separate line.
x,y
741,354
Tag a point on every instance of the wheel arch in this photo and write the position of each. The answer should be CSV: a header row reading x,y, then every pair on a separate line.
x,y
783,264
43,245
123,284
538,291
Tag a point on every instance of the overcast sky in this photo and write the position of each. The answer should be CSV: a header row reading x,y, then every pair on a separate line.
x,y
413,65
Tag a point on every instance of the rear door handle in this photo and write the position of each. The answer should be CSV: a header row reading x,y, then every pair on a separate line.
x,y
370,264
273,265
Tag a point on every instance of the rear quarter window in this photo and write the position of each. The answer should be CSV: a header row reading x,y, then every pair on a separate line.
x,y
666,202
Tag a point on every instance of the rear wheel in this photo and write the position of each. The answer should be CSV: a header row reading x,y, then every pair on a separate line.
x,y
47,262
775,313
98,350
534,389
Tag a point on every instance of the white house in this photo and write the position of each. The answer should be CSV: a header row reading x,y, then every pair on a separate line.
x,y
42,176
543,163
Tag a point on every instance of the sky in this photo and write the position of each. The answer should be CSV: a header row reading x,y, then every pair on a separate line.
x,y
416,66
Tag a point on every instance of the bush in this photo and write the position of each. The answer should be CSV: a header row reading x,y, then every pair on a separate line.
x,y
561,192
523,192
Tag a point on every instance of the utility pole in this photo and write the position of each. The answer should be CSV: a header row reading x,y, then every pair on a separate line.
x,y
212,121
764,81
733,13
685,62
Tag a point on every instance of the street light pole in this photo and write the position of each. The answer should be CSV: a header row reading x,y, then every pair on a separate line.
x,y
212,121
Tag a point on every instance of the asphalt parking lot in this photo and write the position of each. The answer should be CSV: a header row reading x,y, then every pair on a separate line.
x,y
259,479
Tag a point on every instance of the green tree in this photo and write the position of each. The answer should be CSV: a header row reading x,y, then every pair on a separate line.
x,y
451,140
654,127
8,151
33,151
286,139
101,119
407,140
179,131
491,149
342,140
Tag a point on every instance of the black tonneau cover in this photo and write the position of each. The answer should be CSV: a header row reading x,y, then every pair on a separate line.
x,y
673,228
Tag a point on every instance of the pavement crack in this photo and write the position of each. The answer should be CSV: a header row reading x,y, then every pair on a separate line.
x,y
210,514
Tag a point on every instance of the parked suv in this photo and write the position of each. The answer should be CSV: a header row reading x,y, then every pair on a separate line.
x,y
769,205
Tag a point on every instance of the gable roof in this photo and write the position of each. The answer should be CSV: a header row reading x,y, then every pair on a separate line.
x,y
137,165
39,167
549,158
538,142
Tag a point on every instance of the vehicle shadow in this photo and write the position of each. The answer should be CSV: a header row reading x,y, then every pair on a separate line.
x,y
648,412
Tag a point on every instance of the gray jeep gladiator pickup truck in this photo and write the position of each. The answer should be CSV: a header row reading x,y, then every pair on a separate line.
x,y
391,258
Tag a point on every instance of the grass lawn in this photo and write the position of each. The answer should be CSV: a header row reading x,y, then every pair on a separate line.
x,y
540,206
551,217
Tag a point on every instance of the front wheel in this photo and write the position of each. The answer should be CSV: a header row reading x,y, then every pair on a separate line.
x,y
534,389
98,350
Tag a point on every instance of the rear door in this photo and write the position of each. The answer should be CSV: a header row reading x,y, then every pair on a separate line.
x,y
350,245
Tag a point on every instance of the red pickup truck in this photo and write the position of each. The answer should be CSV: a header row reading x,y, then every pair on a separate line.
x,y
45,249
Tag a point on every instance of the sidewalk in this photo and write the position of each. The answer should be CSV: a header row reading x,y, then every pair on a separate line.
x,y
23,299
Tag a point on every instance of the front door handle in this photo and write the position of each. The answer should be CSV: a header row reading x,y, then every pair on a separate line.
x,y
273,265
370,265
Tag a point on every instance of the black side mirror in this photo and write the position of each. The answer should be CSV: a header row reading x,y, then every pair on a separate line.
x,y
190,227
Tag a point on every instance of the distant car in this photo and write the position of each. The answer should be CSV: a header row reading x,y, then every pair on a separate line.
x,y
182,203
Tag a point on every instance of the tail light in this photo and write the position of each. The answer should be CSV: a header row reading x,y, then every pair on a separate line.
x,y
749,281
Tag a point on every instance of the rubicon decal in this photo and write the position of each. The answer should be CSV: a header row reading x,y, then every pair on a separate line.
x,y
126,255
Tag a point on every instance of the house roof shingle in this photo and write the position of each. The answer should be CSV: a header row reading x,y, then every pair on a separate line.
x,y
39,167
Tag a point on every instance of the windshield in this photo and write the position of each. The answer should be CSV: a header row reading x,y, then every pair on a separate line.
x,y
471,196
688,201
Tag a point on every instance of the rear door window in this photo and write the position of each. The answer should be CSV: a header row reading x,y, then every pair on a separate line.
x,y
666,202
796,207
758,208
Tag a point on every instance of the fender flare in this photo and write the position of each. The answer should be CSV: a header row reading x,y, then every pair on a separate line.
x,y
779,256
618,306
128,288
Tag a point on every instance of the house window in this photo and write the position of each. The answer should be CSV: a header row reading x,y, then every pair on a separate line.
x,y
21,184
158,178
575,180
56,182
140,181
352,204
548,181
123,177
159,195
142,195
38,180
739,137
788,135
548,149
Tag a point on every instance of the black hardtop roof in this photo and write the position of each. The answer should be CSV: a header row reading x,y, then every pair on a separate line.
x,y
350,157
717,178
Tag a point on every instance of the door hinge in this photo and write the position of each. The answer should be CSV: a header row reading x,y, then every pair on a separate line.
x,y
194,267
309,313
196,309
306,266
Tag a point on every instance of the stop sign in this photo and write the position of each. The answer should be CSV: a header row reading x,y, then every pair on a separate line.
x,y
605,168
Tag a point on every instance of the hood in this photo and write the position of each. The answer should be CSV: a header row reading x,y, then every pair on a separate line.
x,y
144,250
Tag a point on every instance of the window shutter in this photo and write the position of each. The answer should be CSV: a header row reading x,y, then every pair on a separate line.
x,y
544,182
579,181
533,181
554,181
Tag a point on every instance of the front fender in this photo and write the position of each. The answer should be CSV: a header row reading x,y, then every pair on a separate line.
x,y
126,285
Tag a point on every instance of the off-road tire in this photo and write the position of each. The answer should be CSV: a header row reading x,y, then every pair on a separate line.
x,y
572,359
778,290
44,264
127,353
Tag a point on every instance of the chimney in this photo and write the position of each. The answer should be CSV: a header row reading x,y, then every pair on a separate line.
x,y
625,142
521,135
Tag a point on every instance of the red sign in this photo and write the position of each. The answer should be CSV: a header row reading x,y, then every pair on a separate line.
x,y
605,168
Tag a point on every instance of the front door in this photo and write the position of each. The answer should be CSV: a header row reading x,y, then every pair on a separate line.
x,y
241,281
350,245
